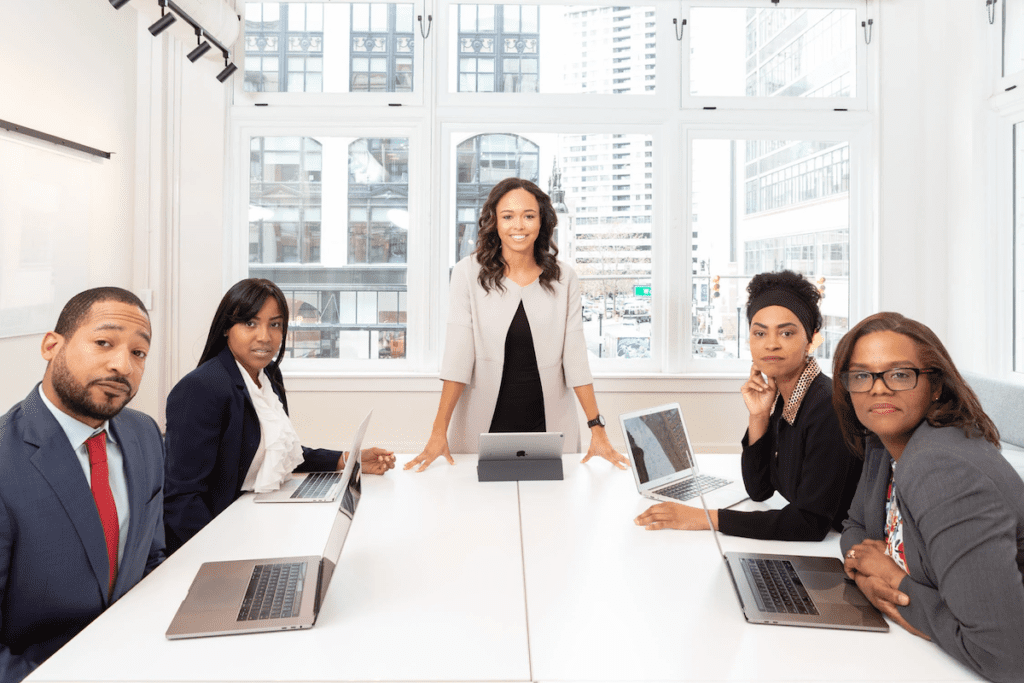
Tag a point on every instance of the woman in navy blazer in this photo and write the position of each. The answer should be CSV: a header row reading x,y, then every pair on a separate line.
x,y
213,431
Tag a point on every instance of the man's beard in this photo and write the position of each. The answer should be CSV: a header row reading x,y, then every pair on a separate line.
x,y
75,396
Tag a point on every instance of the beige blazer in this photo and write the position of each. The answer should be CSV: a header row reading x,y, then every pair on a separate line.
x,y
474,350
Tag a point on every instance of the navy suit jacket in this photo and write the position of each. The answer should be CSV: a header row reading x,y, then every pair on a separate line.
x,y
212,437
53,557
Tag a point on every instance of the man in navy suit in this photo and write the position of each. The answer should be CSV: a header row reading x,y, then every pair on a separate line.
x,y
81,481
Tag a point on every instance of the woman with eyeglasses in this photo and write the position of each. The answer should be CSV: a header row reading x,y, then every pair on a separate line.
x,y
793,445
935,535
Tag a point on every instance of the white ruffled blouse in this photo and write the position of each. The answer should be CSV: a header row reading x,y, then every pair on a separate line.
x,y
279,452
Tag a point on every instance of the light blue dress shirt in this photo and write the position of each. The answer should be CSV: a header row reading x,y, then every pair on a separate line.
x,y
78,433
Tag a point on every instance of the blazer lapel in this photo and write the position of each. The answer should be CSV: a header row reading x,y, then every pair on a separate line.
x,y
134,462
57,463
250,420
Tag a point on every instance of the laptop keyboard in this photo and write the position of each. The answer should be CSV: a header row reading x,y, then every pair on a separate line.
x,y
274,592
777,586
316,485
687,489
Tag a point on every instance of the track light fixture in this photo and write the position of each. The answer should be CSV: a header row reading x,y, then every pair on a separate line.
x,y
165,20
228,70
200,49
118,4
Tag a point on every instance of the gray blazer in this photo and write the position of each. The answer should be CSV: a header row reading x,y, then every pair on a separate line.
x,y
963,535
474,350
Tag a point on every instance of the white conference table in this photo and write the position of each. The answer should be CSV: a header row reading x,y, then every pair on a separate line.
x,y
444,578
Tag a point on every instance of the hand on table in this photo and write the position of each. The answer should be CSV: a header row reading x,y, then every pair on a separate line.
x,y
675,516
601,446
879,577
759,392
436,447
377,460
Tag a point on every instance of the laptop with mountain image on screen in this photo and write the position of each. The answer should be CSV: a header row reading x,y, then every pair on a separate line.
x,y
270,594
796,590
664,465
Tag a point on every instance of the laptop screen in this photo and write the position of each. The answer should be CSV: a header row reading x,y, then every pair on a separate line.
x,y
657,442
350,495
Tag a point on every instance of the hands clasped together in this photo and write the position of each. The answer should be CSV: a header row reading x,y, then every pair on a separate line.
x,y
377,460
879,577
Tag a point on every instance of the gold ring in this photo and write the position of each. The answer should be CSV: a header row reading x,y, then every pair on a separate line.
x,y
852,554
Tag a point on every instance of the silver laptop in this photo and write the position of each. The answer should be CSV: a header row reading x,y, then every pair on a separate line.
x,y
528,445
314,487
274,594
797,590
664,465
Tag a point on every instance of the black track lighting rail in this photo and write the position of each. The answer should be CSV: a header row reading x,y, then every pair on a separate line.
x,y
40,135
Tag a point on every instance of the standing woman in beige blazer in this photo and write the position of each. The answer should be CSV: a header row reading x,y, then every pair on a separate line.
x,y
515,344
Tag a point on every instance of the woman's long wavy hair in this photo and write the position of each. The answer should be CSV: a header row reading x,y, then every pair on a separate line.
x,y
240,304
488,248
958,406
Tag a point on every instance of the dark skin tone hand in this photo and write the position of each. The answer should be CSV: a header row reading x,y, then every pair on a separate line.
x,y
375,460
879,577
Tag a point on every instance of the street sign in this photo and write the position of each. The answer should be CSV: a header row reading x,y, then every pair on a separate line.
x,y
641,290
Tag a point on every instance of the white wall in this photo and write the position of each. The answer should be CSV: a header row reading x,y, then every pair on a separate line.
x,y
943,254
81,70
67,68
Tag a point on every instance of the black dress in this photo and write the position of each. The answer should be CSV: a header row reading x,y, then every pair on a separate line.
x,y
520,405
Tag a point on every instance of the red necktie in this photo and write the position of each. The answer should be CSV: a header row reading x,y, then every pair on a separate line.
x,y
100,476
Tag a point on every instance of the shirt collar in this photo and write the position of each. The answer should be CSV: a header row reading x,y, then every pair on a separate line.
x,y
76,431
811,370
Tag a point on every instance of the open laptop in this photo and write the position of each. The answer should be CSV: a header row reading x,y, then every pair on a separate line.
x,y
315,487
275,594
664,465
797,590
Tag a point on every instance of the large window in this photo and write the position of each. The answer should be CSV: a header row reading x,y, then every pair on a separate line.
x,y
788,209
774,52
338,47
339,255
671,151
553,49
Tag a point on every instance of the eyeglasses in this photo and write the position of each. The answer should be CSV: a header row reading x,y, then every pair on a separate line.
x,y
897,379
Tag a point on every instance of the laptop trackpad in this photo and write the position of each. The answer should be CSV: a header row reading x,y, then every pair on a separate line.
x,y
833,587
212,592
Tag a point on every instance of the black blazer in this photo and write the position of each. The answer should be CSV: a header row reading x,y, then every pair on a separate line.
x,y
53,555
212,437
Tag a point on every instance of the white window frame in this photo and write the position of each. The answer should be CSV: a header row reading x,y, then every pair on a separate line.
x,y
1007,104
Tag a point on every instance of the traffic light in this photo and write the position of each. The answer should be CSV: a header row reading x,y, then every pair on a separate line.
x,y
715,287
821,287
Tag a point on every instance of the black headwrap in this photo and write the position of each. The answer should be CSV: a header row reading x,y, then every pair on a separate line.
x,y
788,300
